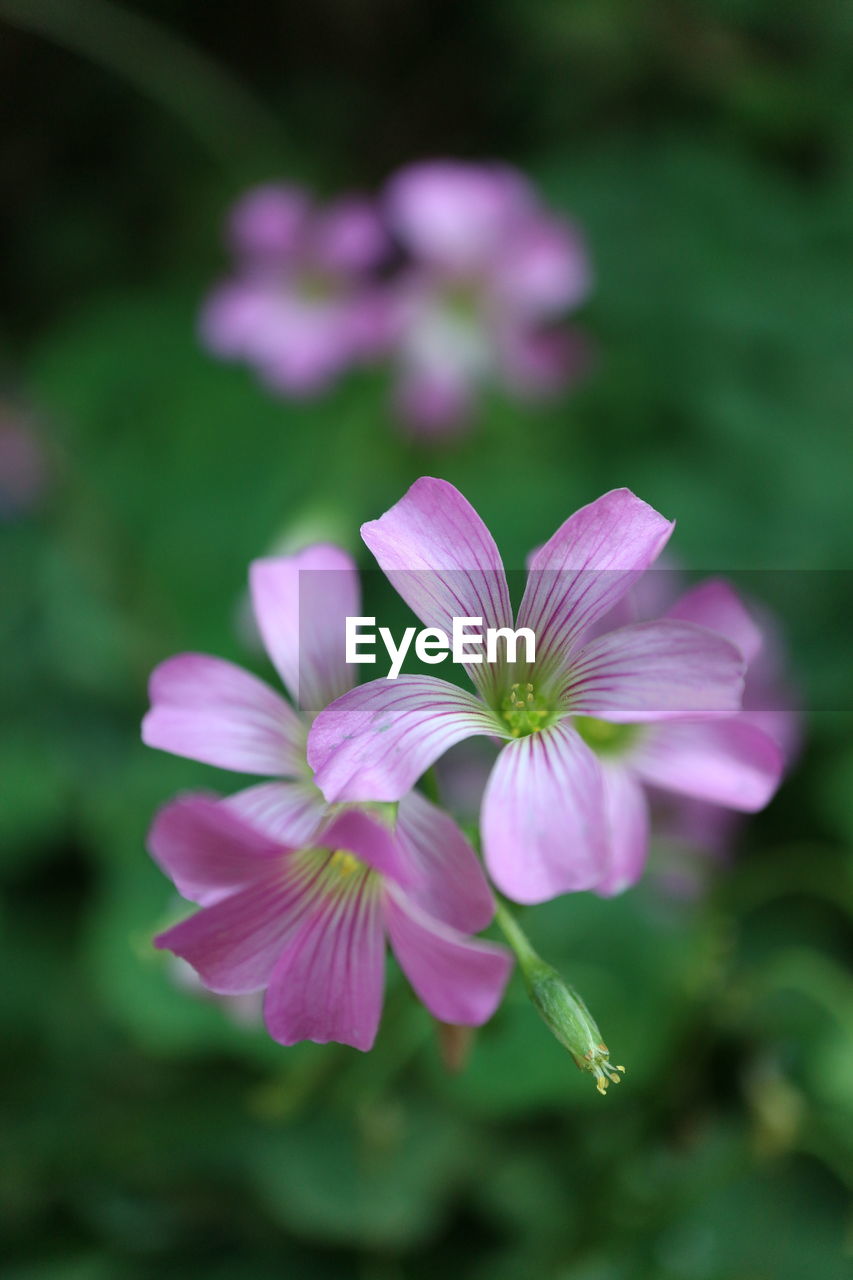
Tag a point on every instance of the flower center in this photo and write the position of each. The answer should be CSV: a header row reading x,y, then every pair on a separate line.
x,y
604,737
345,863
525,711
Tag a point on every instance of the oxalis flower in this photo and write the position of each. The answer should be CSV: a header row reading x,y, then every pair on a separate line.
x,y
212,710
491,274
706,817
308,925
564,807
303,304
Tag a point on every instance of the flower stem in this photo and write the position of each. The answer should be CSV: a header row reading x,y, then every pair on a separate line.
x,y
559,1005
212,105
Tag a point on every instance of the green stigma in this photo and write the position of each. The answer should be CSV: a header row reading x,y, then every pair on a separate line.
x,y
525,711
605,738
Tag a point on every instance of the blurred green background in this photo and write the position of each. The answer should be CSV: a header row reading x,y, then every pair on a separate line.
x,y
707,149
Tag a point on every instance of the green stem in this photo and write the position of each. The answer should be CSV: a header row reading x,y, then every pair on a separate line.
x,y
222,115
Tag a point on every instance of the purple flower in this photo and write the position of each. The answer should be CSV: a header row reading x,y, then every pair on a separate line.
x,y
562,810
303,304
308,925
704,818
492,272
214,711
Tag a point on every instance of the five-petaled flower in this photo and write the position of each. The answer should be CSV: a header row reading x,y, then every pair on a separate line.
x,y
308,925
584,726
490,273
213,711
303,304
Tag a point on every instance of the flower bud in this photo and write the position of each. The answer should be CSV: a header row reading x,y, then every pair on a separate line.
x,y
559,1006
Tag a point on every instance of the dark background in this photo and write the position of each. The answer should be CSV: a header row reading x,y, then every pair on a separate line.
x,y
707,150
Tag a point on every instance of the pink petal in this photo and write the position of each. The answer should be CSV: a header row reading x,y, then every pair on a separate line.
x,y
452,886
328,983
441,558
728,762
460,980
207,851
376,741
237,319
656,671
456,215
627,813
543,820
716,605
301,603
267,223
371,841
303,345
546,272
349,237
288,812
234,944
214,711
585,569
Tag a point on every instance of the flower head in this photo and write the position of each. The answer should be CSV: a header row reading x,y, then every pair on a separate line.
x,y
491,273
214,711
308,924
559,812
302,304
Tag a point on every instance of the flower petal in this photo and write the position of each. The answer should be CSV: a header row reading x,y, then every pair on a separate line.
x,y
234,944
207,851
656,671
456,215
348,236
548,270
371,841
729,762
440,557
267,223
543,820
301,603
627,813
214,711
459,979
452,887
585,569
328,983
715,604
376,741
290,812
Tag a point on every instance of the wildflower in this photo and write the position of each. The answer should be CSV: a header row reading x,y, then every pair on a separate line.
x,y
214,711
557,815
302,305
308,924
703,811
491,273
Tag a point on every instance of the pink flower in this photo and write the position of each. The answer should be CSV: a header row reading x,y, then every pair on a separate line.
x,y
560,812
303,304
492,272
701,817
308,925
214,711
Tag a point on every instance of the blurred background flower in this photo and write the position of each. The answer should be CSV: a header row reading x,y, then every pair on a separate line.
x,y
302,306
705,151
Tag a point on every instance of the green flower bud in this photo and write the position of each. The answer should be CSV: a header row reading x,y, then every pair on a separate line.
x,y
560,1007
